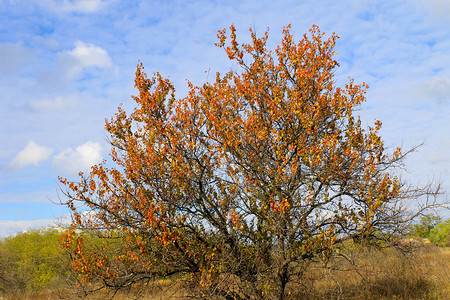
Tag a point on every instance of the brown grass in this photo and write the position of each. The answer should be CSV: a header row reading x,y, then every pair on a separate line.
x,y
356,274
162,289
369,274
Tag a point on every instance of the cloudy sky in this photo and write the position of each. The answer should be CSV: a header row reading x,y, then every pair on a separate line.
x,y
65,66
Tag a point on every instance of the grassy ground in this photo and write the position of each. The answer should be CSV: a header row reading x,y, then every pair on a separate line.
x,y
357,274
375,275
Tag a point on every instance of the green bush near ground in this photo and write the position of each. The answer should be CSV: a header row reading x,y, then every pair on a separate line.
x,y
425,225
433,228
440,234
32,261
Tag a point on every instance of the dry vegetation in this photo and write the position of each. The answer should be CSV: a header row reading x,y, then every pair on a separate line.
x,y
355,273
361,274
369,274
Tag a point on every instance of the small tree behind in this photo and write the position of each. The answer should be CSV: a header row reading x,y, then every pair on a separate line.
x,y
440,234
242,181
33,261
426,224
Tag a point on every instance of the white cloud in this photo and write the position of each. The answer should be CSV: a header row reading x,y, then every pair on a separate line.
x,y
32,154
90,55
52,104
84,56
8,228
80,159
438,88
74,6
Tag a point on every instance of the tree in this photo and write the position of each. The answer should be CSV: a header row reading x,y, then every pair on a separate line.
x,y
244,180
32,261
440,234
426,224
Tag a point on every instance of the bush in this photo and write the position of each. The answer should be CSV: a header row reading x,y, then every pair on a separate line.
x,y
431,227
440,235
426,224
32,261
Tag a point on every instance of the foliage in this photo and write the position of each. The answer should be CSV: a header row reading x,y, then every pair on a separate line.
x,y
440,234
431,227
425,225
32,260
243,182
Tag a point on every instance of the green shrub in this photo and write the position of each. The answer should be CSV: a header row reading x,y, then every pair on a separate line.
x,y
32,261
440,234
426,224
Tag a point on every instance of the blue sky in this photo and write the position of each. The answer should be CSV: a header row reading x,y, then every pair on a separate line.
x,y
66,65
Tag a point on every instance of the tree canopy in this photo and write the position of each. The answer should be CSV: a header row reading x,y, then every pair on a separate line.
x,y
238,184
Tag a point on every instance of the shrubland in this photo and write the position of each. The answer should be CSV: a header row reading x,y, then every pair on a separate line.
x,y
34,266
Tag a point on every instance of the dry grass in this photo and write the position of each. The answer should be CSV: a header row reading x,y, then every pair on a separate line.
x,y
357,274
158,290
162,289
366,274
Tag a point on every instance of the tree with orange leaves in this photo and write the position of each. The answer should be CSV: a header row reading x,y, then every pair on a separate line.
x,y
238,184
